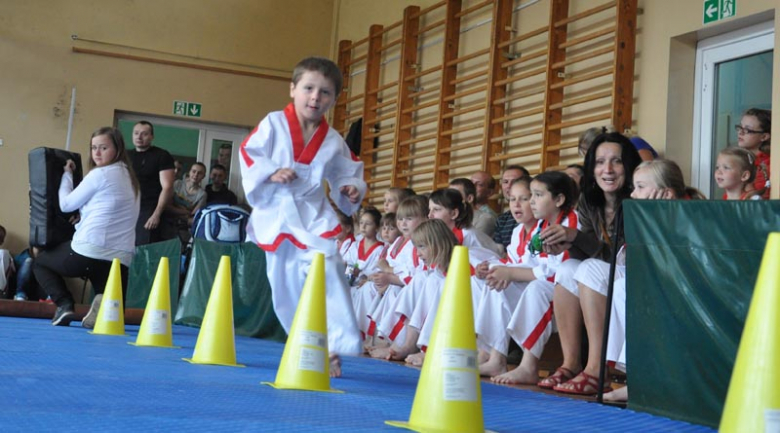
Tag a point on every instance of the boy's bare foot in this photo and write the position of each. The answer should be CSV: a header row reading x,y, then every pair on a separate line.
x,y
399,353
619,395
416,359
518,376
335,365
494,366
379,352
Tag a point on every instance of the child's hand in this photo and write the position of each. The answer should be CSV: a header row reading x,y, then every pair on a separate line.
x,y
498,273
380,279
351,192
482,270
70,166
381,289
284,175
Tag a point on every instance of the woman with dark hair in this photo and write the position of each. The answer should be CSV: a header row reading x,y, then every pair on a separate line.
x,y
108,203
609,167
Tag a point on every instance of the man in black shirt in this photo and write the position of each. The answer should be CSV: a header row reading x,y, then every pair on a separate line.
x,y
217,192
154,168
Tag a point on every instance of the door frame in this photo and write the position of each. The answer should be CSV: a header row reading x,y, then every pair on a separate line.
x,y
709,52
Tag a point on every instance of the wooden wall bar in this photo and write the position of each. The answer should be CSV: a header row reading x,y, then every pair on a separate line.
x,y
520,93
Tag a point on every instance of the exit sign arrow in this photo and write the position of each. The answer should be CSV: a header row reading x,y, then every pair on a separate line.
x,y
194,110
711,11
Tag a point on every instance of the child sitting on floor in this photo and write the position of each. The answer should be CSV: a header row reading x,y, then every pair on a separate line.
x,y
434,242
398,270
361,259
553,195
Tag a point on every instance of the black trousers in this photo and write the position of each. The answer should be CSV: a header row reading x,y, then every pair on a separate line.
x,y
52,265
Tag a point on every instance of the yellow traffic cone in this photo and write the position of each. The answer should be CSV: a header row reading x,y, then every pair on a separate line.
x,y
216,340
156,325
449,397
111,316
753,400
305,364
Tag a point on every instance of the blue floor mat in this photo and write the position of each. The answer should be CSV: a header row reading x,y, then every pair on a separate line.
x,y
65,379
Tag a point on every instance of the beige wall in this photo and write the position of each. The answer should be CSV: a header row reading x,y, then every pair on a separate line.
x,y
39,69
668,31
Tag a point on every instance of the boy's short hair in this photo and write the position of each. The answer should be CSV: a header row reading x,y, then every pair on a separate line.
x,y
414,206
324,66
388,219
218,167
468,186
2,235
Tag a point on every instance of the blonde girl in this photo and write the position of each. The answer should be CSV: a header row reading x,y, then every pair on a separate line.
x,y
434,242
735,173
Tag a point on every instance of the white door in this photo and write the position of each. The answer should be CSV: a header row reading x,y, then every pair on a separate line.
x,y
733,73
221,147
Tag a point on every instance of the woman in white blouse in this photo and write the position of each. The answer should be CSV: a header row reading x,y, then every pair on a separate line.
x,y
108,203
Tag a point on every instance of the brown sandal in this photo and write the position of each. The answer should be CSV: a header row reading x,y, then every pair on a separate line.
x,y
561,375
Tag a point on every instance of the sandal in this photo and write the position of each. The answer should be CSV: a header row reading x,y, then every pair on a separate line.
x,y
583,384
561,375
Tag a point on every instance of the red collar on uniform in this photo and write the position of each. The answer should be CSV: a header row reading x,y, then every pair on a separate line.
x,y
303,153
401,244
524,238
458,234
363,255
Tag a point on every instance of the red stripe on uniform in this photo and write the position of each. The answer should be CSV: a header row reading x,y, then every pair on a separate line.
x,y
539,329
397,328
247,159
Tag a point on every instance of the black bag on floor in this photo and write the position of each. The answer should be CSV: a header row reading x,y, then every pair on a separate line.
x,y
49,226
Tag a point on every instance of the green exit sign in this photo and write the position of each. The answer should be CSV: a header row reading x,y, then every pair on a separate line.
x,y
187,109
715,10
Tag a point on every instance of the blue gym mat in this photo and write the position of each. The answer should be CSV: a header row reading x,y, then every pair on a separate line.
x,y
64,379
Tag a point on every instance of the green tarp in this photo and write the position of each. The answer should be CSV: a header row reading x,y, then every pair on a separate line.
x,y
253,312
144,269
691,269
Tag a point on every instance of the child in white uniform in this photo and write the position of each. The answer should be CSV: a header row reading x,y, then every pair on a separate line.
x,y
553,196
434,243
361,259
495,308
285,162
402,264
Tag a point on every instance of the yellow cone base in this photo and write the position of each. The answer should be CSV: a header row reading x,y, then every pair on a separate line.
x,y
305,363
155,330
193,361
449,393
293,387
111,316
409,426
216,343
153,345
